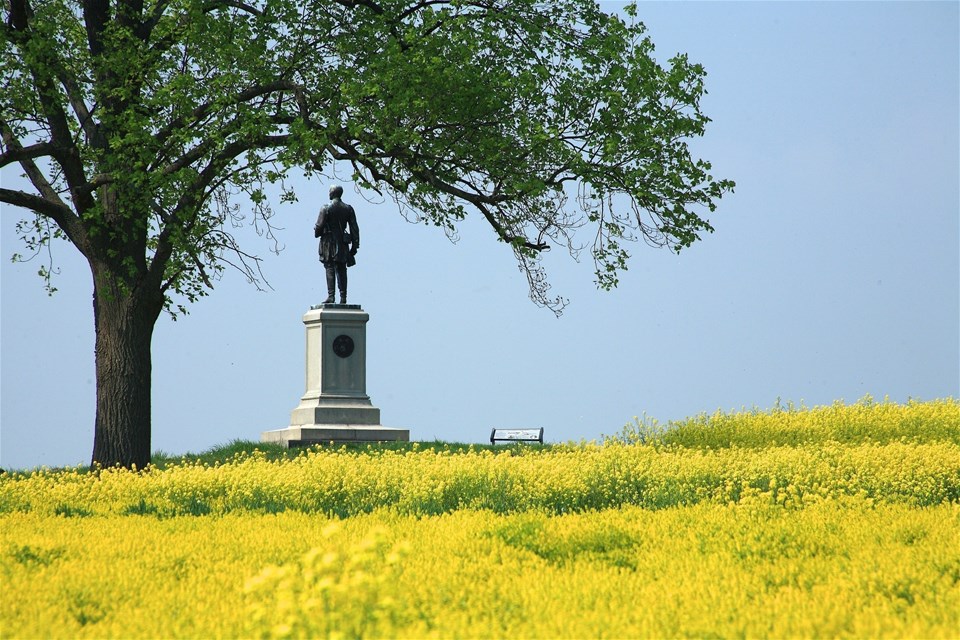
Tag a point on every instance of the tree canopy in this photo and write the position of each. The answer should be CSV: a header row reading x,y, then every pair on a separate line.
x,y
542,117
142,124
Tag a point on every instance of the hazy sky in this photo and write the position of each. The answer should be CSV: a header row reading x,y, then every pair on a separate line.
x,y
834,271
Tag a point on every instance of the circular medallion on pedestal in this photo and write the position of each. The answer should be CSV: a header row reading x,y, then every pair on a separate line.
x,y
343,346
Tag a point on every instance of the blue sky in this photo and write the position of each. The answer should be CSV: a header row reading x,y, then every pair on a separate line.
x,y
834,271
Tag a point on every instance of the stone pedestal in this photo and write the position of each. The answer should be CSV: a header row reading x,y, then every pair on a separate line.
x,y
335,407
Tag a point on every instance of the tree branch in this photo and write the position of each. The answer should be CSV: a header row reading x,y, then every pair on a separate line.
x,y
54,210
85,118
196,193
236,4
202,111
20,154
33,172
147,26
96,14
65,151
481,201
369,4
48,203
20,14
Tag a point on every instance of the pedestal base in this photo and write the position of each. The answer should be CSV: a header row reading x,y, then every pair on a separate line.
x,y
335,407
326,410
305,435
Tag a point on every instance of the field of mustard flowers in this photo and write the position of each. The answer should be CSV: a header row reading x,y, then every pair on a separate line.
x,y
824,522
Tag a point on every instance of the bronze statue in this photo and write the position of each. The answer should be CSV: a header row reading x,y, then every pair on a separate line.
x,y
339,240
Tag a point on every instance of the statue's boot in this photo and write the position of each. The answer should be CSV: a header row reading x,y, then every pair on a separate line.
x,y
331,285
342,276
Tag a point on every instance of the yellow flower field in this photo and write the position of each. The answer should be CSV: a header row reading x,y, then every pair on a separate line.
x,y
777,524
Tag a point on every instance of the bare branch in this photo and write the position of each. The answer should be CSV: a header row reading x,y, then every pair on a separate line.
x,y
35,203
33,172
20,154
195,194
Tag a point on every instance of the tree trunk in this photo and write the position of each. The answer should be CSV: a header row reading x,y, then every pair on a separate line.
x,y
124,330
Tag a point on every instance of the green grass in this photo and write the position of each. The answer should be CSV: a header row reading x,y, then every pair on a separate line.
x,y
223,454
226,453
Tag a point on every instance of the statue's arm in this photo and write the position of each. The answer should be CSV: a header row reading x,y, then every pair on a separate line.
x,y
354,231
318,227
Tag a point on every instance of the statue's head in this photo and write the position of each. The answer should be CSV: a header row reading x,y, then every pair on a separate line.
x,y
335,191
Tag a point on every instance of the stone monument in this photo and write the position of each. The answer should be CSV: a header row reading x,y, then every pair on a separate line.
x,y
335,407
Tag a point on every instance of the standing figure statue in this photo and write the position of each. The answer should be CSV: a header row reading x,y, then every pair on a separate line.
x,y
339,240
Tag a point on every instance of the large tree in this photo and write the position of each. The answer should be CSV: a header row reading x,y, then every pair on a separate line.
x,y
142,124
